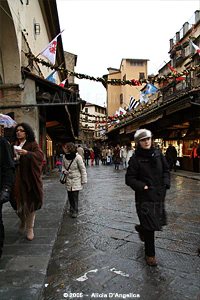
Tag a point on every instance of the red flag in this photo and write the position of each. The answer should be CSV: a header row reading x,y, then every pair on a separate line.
x,y
175,72
63,82
50,51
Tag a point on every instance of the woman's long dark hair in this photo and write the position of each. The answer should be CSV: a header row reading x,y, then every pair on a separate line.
x,y
30,136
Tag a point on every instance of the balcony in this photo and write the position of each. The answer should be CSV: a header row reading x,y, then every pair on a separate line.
x,y
174,89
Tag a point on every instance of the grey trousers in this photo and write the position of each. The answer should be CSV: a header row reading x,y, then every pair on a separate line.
x,y
73,200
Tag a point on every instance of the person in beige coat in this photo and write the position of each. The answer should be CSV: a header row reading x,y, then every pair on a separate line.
x,y
74,167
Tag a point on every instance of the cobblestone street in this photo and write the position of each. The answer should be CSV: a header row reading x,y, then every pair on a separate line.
x,y
99,254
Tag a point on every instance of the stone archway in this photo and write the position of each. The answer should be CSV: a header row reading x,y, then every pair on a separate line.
x,y
9,48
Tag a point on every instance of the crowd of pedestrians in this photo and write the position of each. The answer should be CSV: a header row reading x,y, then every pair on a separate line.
x,y
107,155
147,173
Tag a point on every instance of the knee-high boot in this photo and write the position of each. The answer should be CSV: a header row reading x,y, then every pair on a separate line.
x,y
29,226
22,226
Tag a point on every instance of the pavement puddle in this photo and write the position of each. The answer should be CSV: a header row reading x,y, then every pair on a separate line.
x,y
84,277
119,272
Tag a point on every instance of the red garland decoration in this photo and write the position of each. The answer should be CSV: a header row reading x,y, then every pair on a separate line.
x,y
135,82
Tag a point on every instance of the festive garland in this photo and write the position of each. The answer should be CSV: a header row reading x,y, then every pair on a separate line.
x,y
179,45
132,82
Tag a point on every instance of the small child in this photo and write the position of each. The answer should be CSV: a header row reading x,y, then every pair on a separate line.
x,y
92,157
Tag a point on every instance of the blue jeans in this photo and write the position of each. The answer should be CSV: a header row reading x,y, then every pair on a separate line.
x,y
124,163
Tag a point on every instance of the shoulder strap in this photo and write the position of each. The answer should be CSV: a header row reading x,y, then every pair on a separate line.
x,y
70,164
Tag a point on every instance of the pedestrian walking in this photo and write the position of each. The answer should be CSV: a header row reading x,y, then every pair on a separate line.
x,y
123,155
116,158
86,156
97,154
148,175
6,181
171,156
92,157
109,154
59,162
74,167
80,151
104,156
28,188
129,152
195,152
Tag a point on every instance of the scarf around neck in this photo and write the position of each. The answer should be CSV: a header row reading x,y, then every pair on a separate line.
x,y
70,156
147,153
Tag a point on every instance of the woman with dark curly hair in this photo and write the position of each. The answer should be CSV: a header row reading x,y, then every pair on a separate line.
x,y
28,189
74,167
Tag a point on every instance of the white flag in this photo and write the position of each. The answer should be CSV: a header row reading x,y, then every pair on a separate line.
x,y
50,51
143,97
122,111
195,47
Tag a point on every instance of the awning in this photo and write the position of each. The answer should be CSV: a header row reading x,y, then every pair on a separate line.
x,y
153,119
132,127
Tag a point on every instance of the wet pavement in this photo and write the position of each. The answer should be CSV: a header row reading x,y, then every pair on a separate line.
x,y
99,254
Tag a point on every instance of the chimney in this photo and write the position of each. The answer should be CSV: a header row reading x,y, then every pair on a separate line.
x,y
171,43
177,36
197,16
185,28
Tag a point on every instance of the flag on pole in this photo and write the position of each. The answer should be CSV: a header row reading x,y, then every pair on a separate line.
x,y
143,97
150,89
63,82
122,111
133,103
51,77
50,51
175,72
195,47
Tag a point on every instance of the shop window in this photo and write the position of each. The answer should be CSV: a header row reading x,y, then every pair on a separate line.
x,y
49,145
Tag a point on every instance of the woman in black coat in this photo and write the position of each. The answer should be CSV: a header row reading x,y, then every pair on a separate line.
x,y
6,181
148,175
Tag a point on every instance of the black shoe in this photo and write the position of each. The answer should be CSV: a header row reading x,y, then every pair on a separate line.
x,y
74,214
138,229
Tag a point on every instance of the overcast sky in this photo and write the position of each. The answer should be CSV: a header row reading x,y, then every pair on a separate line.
x,y
103,32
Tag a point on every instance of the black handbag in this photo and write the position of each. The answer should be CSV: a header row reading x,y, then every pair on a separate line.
x,y
63,176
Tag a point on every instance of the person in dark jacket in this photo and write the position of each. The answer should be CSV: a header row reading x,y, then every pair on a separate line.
x,y
6,181
171,156
97,154
148,175
86,156
116,158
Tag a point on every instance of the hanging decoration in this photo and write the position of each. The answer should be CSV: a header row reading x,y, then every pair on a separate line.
x,y
132,82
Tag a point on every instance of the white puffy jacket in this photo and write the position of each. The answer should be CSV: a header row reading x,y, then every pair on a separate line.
x,y
77,173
